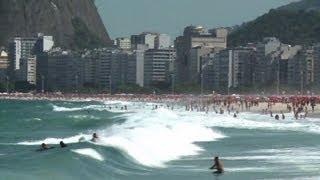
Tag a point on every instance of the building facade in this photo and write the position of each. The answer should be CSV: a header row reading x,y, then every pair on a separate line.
x,y
4,66
157,66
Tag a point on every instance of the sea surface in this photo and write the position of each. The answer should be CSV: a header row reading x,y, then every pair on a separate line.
x,y
143,143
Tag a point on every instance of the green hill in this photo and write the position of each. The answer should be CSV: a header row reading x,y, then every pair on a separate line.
x,y
305,5
294,24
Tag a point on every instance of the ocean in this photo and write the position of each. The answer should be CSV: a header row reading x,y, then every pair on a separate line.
x,y
143,143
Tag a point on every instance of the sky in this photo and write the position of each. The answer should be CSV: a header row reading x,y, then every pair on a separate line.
x,y
125,17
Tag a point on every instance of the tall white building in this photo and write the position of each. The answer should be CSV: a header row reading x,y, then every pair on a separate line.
x,y
48,43
123,43
162,41
32,70
21,48
4,65
139,54
149,40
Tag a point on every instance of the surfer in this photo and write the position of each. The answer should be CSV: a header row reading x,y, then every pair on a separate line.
x,y
62,144
277,117
94,137
218,166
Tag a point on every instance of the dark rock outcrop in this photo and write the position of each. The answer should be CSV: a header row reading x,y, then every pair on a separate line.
x,y
73,23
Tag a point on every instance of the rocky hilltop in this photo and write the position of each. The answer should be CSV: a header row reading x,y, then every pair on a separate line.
x,y
73,23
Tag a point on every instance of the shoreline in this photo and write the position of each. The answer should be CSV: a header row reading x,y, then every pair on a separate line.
x,y
235,103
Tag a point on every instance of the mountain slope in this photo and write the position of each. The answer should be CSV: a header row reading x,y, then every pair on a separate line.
x,y
292,27
73,23
305,5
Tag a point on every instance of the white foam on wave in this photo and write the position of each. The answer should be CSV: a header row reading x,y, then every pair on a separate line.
x,y
154,138
249,169
68,140
89,152
83,117
89,107
255,121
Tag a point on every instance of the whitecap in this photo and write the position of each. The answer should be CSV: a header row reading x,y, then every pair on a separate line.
x,y
73,139
89,152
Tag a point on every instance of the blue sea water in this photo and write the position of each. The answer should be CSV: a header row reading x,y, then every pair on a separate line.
x,y
142,143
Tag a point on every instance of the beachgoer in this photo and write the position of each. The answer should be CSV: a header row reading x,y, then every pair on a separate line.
x,y
62,144
218,166
235,115
44,146
94,137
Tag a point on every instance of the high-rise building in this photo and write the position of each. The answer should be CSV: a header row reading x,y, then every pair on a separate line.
x,y
4,66
140,61
151,40
196,37
27,71
20,48
123,43
196,62
59,70
296,69
263,72
32,70
109,67
44,43
316,64
157,66
162,41
230,68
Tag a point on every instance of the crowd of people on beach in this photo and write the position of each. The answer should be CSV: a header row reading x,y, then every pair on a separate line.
x,y
301,106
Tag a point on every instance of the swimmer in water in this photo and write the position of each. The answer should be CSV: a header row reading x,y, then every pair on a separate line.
x,y
235,115
283,116
218,166
44,147
62,144
94,137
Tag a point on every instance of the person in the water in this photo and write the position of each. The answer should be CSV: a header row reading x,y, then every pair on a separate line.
x,y
94,137
44,147
235,115
218,166
62,144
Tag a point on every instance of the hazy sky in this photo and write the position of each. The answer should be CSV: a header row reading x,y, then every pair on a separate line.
x,y
126,17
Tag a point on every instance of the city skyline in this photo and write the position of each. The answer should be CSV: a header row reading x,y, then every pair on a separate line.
x,y
118,15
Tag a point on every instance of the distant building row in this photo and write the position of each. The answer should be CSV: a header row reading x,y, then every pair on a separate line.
x,y
198,57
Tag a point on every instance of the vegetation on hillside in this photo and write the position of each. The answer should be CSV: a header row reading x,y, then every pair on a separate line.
x,y
291,27
305,5
83,37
